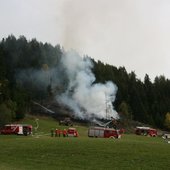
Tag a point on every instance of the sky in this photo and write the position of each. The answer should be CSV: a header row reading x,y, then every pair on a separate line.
x,y
130,33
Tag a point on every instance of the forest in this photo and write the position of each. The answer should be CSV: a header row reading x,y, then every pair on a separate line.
x,y
23,61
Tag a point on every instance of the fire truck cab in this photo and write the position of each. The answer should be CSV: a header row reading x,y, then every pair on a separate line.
x,y
146,131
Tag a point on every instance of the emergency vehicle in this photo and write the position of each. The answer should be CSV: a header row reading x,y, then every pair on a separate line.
x,y
104,132
18,129
166,136
72,132
146,131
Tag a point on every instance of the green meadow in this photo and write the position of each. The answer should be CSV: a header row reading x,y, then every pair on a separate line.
x,y
43,152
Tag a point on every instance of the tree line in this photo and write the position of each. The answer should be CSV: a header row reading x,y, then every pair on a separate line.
x,y
24,76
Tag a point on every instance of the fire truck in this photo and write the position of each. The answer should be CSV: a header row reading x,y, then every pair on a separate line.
x,y
72,132
102,132
18,129
166,136
146,131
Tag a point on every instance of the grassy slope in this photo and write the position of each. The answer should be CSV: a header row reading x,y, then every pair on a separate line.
x,y
45,152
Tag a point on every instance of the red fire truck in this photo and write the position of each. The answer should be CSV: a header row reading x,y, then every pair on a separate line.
x,y
18,129
72,132
146,131
104,132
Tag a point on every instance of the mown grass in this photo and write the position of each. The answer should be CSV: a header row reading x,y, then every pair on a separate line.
x,y
44,152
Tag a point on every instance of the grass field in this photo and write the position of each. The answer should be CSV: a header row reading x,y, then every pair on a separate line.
x,y
44,152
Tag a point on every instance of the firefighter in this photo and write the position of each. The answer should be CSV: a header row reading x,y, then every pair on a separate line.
x,y
52,132
25,131
56,132
118,135
64,133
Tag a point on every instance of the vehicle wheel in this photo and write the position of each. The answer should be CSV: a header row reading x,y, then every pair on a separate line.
x,y
112,137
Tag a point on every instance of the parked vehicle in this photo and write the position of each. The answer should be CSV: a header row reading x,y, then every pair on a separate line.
x,y
104,132
67,122
18,129
166,136
72,132
146,131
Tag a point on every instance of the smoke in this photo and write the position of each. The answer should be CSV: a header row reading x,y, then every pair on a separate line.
x,y
39,79
85,97
73,84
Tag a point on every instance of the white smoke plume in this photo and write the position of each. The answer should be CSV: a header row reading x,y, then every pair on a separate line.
x,y
86,98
